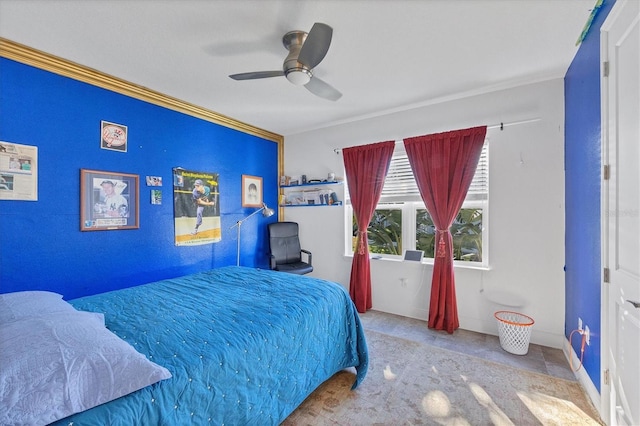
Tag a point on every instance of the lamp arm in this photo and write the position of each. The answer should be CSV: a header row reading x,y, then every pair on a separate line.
x,y
238,223
265,211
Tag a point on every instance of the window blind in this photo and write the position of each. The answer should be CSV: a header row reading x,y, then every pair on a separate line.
x,y
400,184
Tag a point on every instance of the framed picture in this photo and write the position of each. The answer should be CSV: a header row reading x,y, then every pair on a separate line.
x,y
108,201
251,191
113,136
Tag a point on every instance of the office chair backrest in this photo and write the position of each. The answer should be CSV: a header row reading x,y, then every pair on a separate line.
x,y
284,242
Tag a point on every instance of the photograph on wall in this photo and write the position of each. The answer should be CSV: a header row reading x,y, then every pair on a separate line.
x,y
18,172
154,180
113,136
196,197
108,200
251,191
156,196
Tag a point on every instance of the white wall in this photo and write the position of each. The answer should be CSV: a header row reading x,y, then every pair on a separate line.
x,y
526,237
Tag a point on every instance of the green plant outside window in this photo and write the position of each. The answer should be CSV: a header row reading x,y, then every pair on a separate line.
x,y
384,232
466,231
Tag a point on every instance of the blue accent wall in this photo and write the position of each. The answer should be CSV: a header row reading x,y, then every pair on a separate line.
x,y
582,188
41,245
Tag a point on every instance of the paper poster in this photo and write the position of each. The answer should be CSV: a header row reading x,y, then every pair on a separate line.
x,y
18,172
196,207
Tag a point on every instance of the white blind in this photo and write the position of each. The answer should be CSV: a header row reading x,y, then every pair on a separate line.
x,y
400,184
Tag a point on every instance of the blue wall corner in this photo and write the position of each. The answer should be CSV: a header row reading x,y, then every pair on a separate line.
x,y
41,245
582,195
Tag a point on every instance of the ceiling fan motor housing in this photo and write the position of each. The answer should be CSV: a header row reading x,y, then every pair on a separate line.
x,y
296,72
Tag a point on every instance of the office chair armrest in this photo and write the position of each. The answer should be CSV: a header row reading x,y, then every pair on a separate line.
x,y
308,253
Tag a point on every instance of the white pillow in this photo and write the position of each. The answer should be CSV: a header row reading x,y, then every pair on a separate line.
x,y
64,363
26,304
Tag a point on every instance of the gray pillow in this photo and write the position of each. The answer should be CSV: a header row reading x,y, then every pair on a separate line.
x,y
63,363
27,304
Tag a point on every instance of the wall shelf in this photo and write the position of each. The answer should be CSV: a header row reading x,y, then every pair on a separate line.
x,y
310,194
311,184
339,203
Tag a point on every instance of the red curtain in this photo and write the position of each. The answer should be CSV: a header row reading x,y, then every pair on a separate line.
x,y
366,168
443,165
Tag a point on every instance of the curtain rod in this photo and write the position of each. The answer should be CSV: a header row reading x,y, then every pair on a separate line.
x,y
500,126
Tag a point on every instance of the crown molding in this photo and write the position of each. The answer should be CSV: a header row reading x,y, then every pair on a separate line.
x,y
36,58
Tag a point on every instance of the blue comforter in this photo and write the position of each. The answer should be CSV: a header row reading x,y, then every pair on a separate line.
x,y
244,346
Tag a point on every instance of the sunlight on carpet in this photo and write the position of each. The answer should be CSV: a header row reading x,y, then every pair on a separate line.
x,y
549,409
497,416
412,383
388,374
437,405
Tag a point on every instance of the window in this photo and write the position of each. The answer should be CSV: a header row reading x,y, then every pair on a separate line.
x,y
401,220
466,231
384,232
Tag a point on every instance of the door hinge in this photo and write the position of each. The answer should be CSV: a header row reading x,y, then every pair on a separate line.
x,y
606,377
605,68
605,172
605,275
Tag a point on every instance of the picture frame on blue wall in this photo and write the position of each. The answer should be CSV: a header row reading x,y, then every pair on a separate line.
x,y
251,191
113,136
108,200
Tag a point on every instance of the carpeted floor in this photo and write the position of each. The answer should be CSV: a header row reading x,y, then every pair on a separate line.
x,y
415,383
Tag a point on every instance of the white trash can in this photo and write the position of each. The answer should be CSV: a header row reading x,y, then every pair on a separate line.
x,y
514,330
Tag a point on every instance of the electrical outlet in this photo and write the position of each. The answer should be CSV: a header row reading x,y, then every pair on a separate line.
x,y
579,323
587,335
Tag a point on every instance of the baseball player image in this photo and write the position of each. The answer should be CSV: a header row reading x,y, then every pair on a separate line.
x,y
201,198
114,204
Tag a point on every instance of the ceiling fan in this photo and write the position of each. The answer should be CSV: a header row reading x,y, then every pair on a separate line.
x,y
306,51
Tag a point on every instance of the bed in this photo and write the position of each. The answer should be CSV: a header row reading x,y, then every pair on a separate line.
x,y
243,346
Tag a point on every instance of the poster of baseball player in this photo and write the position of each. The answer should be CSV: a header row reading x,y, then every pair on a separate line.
x,y
196,209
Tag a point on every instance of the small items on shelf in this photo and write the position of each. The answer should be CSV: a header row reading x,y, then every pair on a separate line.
x,y
339,203
313,193
310,197
286,181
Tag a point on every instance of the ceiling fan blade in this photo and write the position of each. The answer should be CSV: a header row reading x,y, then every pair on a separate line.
x,y
322,89
316,45
256,74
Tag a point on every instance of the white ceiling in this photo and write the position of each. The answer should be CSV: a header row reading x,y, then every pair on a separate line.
x,y
386,55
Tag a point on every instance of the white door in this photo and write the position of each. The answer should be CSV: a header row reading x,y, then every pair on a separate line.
x,y
621,212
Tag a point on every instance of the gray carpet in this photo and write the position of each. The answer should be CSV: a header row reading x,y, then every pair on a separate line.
x,y
412,383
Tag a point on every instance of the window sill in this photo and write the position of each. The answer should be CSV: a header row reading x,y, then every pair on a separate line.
x,y
425,262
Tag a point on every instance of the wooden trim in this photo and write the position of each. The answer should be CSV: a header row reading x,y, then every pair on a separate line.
x,y
36,58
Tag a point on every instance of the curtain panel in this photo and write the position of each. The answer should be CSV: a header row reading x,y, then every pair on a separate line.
x,y
443,165
366,168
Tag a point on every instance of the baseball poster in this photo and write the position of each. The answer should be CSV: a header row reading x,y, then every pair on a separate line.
x,y
196,207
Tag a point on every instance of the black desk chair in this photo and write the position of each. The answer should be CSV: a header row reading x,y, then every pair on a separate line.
x,y
284,247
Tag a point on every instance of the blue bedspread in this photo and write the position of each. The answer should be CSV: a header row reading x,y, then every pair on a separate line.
x,y
244,346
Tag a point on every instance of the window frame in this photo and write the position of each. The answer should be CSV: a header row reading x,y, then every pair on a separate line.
x,y
409,210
